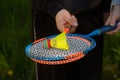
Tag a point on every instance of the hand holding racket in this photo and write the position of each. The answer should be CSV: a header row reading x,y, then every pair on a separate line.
x,y
79,46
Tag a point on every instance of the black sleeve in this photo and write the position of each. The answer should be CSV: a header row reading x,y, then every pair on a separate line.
x,y
49,6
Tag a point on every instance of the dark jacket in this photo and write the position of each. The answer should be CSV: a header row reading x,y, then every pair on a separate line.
x,y
74,6
44,12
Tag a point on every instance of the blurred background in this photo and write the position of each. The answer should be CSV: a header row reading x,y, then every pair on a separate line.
x,y
15,27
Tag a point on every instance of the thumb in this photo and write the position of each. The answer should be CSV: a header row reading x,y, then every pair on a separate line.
x,y
110,21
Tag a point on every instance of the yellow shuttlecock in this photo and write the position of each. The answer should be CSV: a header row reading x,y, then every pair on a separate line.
x,y
59,42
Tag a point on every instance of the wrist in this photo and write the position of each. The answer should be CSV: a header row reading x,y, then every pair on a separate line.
x,y
115,8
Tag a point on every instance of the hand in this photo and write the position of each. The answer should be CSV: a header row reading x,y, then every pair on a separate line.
x,y
114,16
65,19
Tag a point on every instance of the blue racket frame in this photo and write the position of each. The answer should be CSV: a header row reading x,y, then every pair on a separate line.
x,y
89,36
91,40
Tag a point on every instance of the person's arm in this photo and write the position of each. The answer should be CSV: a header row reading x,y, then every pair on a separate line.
x,y
59,13
114,16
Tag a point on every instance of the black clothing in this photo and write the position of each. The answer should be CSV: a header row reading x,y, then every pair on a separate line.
x,y
74,6
87,68
77,6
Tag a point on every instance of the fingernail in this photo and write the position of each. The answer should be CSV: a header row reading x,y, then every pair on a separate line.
x,y
112,24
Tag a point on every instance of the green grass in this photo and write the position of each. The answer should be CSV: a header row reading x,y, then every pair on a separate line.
x,y
15,27
111,60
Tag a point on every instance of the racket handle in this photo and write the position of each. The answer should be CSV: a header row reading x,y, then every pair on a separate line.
x,y
102,30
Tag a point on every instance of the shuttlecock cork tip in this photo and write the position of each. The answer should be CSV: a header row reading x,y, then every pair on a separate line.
x,y
66,30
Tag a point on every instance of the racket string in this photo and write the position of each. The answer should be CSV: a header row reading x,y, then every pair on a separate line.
x,y
75,45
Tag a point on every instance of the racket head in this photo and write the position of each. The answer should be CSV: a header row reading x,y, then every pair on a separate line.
x,y
79,46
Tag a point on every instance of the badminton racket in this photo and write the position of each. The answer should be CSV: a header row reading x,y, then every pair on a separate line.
x,y
79,46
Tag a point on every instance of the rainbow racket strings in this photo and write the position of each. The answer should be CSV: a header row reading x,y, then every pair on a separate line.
x,y
79,46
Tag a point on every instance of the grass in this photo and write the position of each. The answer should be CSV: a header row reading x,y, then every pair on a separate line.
x,y
15,18
111,60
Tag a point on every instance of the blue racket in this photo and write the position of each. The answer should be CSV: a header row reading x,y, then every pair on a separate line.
x,y
79,46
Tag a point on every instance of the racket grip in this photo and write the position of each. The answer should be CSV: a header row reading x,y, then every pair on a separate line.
x,y
102,30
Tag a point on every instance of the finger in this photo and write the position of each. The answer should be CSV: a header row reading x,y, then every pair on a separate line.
x,y
61,25
73,29
115,30
110,21
71,20
75,22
